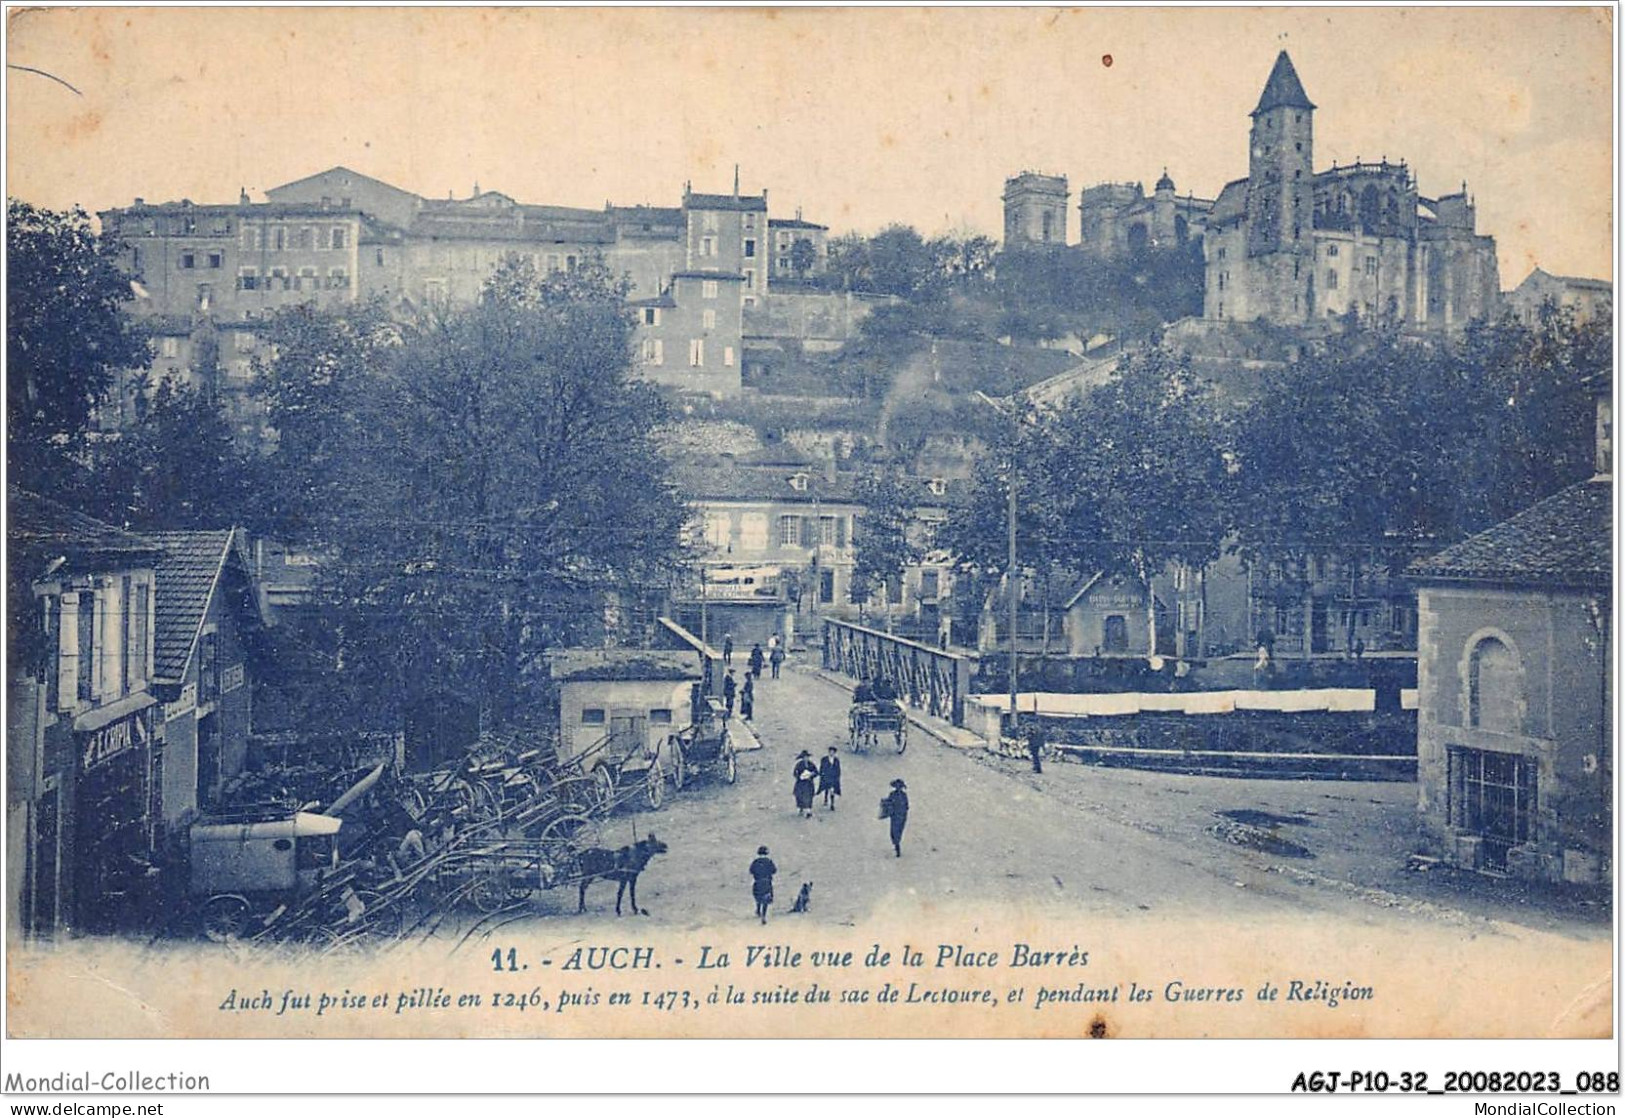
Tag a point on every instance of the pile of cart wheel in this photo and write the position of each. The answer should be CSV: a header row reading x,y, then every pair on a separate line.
x,y
396,857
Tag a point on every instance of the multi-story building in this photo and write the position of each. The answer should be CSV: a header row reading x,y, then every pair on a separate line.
x,y
1289,245
84,788
1587,299
207,276
787,261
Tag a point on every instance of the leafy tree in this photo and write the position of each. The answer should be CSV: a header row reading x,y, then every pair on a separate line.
x,y
802,257
883,545
493,486
66,337
178,467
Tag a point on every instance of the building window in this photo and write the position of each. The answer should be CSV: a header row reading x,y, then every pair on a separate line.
x,y
750,279
1371,265
216,259
826,531
250,238
1331,250
338,236
660,716
279,238
789,531
592,716
338,279
654,351
1331,279
728,356
709,319
205,295
1494,796
1494,688
826,586
929,585
552,262
188,261
434,290
750,247
570,262
708,246
279,278
717,529
708,289
651,316
248,279
208,667
307,280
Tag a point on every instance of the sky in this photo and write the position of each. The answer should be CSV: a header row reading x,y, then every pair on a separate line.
x,y
856,117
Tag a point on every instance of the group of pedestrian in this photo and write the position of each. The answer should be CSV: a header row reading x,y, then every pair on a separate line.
x,y
757,662
816,779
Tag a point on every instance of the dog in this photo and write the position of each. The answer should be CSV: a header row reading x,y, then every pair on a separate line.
x,y
803,898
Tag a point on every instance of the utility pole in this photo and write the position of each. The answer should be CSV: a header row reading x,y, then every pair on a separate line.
x,y
1011,576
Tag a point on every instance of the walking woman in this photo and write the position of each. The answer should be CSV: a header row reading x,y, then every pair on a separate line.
x,y
895,808
747,698
805,774
761,882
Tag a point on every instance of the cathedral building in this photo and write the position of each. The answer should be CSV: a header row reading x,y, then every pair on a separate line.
x,y
1289,245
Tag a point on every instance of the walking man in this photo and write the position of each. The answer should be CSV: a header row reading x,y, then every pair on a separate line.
x,y
747,698
728,649
1035,745
730,687
895,808
757,660
829,777
761,882
776,659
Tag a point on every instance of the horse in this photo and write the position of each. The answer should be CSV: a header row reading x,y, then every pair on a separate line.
x,y
622,866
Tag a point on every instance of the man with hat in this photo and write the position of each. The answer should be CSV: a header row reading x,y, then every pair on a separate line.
x,y
895,808
761,882
805,774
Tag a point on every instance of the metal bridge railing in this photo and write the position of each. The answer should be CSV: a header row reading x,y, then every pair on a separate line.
x,y
926,678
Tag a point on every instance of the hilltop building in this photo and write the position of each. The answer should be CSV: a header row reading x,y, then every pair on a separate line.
x,y
1288,245
1586,299
207,276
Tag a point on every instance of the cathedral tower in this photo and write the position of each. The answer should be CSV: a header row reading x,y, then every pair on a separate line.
x,y
1035,209
1281,197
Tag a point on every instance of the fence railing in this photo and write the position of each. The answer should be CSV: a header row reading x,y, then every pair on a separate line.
x,y
926,678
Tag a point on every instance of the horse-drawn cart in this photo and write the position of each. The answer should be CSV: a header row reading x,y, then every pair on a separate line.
x,y
870,723
703,744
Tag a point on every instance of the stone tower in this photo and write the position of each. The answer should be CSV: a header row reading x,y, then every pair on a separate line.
x,y
1281,198
1035,209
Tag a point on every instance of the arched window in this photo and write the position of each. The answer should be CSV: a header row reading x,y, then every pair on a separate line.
x,y
1370,205
1494,689
1137,238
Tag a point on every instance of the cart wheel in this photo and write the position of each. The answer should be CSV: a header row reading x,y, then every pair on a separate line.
x,y
491,891
730,762
654,787
225,917
902,737
679,764
603,777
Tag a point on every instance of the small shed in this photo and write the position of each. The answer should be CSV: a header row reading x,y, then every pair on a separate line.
x,y
1105,616
624,701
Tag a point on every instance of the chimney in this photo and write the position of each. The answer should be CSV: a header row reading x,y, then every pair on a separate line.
x,y
242,197
736,182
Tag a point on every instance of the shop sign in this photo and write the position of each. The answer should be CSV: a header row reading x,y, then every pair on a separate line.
x,y
114,740
231,678
184,705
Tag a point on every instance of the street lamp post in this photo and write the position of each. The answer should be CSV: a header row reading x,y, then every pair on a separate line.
x,y
1012,585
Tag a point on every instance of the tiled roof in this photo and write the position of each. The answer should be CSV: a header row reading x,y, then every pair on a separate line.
x,y
728,481
186,576
1231,202
38,527
1565,540
630,664
746,202
1283,90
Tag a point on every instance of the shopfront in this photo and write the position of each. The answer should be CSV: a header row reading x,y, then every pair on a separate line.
x,y
117,809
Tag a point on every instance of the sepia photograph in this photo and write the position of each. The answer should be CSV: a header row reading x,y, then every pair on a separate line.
x,y
863,523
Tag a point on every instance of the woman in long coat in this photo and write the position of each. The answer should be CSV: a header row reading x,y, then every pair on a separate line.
x,y
895,808
761,882
805,774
